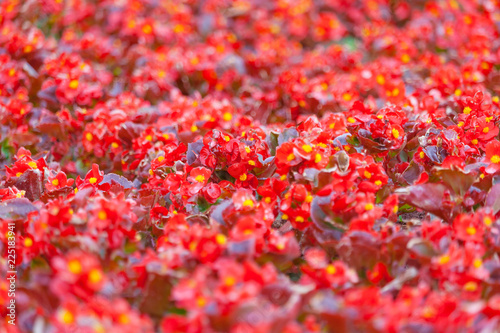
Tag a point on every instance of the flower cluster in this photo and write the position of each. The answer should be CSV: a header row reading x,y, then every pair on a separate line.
x,y
249,166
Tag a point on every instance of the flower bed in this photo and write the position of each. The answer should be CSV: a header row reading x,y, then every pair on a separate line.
x,y
250,166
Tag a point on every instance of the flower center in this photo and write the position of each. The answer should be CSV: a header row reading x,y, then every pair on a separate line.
x,y
495,159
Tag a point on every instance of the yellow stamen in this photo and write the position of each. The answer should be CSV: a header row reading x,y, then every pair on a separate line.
x,y
230,281
429,312
178,28
73,84
471,231
95,276
330,269
102,215
470,286
380,79
147,29
487,221
66,317
221,239
477,263
123,319
248,203
28,242
74,266
444,259
227,116
201,301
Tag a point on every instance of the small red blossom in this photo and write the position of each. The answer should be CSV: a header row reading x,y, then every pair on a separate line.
x,y
493,156
59,181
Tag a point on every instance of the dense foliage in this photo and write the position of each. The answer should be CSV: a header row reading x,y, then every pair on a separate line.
x,y
251,166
